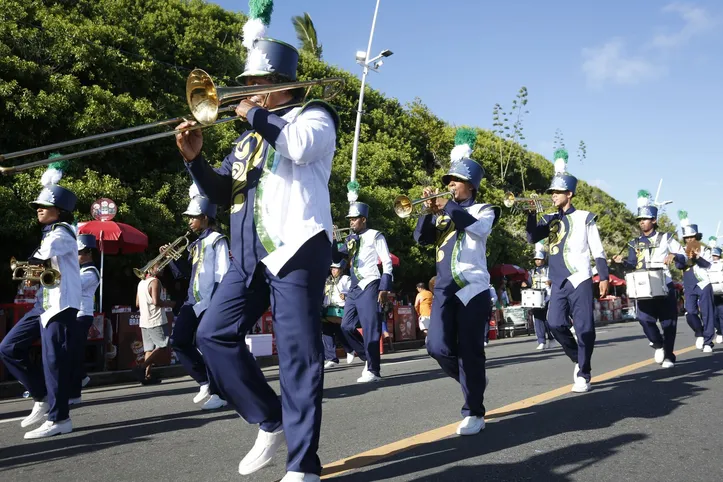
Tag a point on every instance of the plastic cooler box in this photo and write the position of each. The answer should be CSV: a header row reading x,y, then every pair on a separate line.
x,y
260,345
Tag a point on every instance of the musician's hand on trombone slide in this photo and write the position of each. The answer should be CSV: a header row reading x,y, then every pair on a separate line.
x,y
189,142
243,107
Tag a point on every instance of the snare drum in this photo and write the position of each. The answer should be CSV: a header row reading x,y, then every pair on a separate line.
x,y
533,298
333,314
646,284
716,281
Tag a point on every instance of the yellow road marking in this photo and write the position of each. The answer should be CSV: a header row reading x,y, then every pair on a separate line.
x,y
385,451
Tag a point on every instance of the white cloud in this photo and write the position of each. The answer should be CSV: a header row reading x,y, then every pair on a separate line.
x,y
696,21
600,184
614,63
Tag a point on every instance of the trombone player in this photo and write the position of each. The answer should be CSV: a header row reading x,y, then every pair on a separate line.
x,y
276,181
209,261
459,229
572,235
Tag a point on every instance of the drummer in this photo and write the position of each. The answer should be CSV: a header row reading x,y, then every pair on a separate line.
x,y
335,291
540,281
717,266
649,251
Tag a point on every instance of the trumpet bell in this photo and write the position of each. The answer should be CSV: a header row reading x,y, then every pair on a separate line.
x,y
403,206
532,204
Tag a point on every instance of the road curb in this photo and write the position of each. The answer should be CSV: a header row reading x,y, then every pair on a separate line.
x,y
98,379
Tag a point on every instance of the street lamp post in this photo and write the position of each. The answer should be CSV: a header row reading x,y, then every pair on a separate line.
x,y
362,58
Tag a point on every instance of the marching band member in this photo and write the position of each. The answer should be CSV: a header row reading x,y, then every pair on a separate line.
x,y
209,260
53,318
335,292
717,265
365,247
459,228
572,234
696,285
89,282
277,181
539,280
655,250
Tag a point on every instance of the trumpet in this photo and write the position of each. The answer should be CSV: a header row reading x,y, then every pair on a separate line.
x,y
204,99
405,207
172,253
24,271
339,233
532,204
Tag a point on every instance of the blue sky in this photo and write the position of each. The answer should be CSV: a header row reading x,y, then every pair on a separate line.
x,y
638,81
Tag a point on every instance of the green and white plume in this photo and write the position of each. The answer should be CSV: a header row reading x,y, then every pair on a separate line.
x,y
683,216
560,161
464,142
54,173
643,198
259,19
713,242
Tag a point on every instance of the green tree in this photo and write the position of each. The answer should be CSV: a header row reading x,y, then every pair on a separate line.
x,y
306,34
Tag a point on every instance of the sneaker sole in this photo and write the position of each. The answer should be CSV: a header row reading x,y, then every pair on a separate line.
x,y
214,408
35,437
466,434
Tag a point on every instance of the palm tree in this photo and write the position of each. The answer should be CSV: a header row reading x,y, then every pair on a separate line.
x,y
306,33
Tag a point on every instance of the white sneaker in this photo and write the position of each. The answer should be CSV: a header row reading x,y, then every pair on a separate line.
x,y
202,394
213,403
40,410
264,449
667,364
368,377
650,343
75,401
574,373
541,346
699,342
719,339
48,429
84,382
471,426
707,349
349,358
486,343
330,364
659,355
300,477
580,386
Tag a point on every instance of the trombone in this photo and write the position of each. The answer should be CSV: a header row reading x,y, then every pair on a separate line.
x,y
532,204
24,271
172,253
404,206
204,99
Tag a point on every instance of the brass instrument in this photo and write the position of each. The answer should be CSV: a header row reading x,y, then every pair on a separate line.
x,y
404,206
340,233
204,99
24,271
171,253
532,204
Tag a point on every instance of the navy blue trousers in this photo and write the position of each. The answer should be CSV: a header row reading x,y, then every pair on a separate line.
x,y
649,312
718,325
456,340
53,381
295,296
542,329
183,344
566,301
331,332
80,339
361,308
700,302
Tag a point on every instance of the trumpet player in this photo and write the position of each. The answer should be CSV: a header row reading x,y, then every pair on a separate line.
x,y
696,285
53,318
459,228
653,249
209,261
276,181
89,282
572,234
365,247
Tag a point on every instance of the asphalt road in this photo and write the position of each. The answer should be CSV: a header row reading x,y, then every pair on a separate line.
x,y
639,423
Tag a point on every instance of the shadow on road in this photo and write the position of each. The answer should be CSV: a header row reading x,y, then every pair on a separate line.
x,y
649,395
